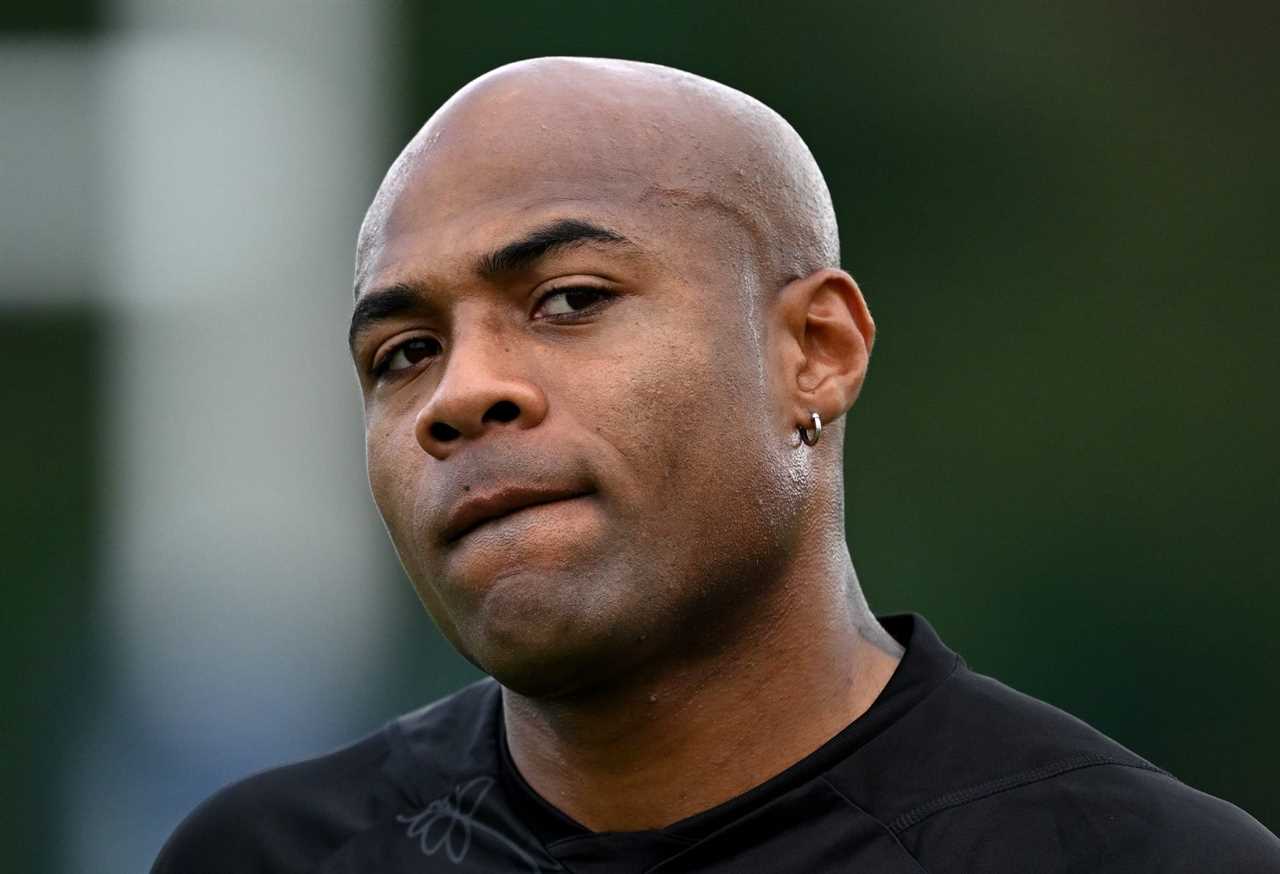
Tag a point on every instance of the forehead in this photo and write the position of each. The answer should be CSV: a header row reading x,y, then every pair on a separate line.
x,y
426,235
484,172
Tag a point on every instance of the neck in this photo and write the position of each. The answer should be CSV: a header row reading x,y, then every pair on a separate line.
x,y
703,731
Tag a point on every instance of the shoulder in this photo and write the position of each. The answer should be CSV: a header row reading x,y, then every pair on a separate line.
x,y
1103,817
290,811
288,818
979,776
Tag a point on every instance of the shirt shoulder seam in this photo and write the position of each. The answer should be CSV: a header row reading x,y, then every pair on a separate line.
x,y
892,835
988,788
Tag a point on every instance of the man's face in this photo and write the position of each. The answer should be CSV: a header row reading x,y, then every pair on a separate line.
x,y
572,435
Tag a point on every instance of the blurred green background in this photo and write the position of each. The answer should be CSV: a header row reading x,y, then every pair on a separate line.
x,y
1063,217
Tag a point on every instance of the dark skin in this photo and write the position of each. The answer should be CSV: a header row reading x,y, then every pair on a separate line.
x,y
610,281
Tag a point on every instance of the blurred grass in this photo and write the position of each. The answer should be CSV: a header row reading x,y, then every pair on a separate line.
x,y
50,474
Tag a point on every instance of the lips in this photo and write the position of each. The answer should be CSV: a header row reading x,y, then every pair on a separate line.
x,y
476,510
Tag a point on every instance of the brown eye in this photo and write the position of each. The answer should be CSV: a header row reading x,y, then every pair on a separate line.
x,y
410,352
568,301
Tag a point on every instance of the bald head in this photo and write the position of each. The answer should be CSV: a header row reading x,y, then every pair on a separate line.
x,y
615,284
637,136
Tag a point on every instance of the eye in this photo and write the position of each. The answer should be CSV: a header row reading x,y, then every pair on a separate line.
x,y
571,301
407,354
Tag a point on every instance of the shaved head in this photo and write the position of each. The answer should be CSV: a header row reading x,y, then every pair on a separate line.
x,y
610,289
599,328
646,136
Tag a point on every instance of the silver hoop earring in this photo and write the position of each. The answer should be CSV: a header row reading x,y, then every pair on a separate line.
x,y
817,430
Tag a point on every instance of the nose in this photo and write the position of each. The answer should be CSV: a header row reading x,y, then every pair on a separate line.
x,y
482,388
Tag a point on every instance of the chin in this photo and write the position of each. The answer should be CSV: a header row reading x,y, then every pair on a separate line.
x,y
546,669
547,676
543,637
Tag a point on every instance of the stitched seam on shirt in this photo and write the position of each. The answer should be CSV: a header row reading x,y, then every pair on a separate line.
x,y
992,787
836,789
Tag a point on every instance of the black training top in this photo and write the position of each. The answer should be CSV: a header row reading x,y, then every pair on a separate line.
x,y
948,771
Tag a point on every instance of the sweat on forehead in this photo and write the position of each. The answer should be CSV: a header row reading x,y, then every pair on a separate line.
x,y
634,135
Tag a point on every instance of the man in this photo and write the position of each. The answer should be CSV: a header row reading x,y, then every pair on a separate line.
x,y
606,349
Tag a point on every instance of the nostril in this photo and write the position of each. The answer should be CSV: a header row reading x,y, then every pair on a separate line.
x,y
442,432
502,411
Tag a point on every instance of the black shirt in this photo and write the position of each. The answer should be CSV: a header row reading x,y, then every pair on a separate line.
x,y
948,771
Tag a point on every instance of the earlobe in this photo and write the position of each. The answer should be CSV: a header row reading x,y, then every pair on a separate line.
x,y
810,437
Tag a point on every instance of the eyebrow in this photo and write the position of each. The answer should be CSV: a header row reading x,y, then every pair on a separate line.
x,y
400,298
381,305
541,242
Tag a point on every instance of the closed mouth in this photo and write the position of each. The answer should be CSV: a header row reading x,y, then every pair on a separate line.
x,y
481,511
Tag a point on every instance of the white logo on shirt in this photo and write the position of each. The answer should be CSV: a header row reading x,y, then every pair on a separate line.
x,y
447,823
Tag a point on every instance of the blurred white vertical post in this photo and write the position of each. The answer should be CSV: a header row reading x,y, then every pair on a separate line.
x,y
237,141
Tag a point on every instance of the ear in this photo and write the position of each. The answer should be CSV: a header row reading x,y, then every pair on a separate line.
x,y
825,332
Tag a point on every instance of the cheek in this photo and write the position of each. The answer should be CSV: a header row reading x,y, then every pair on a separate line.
x,y
657,398
394,463
687,408
380,463
392,458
